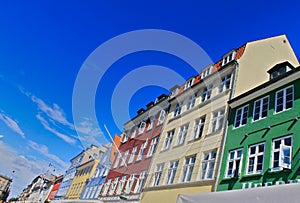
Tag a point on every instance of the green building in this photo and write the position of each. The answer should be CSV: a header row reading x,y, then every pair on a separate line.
x,y
262,146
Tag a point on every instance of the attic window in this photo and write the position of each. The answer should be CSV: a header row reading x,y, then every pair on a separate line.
x,y
206,71
189,83
228,57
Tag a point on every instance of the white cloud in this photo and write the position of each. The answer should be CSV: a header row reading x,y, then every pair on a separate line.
x,y
12,124
54,131
42,149
1,136
25,169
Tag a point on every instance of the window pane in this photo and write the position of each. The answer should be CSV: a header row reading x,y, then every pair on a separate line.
x,y
288,141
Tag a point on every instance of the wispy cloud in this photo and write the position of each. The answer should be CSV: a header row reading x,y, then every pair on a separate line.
x,y
54,131
43,149
1,136
12,124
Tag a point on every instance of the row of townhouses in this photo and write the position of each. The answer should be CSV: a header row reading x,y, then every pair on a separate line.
x,y
233,126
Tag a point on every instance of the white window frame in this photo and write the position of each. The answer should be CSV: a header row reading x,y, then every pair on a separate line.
x,y
162,117
260,108
228,58
188,168
113,186
134,131
177,110
124,137
142,127
208,165
189,83
241,116
217,121
255,157
198,128
206,72
284,104
153,146
168,139
206,93
236,161
121,185
181,136
133,152
281,161
157,174
106,187
140,182
116,164
224,83
124,159
130,183
142,150
150,126
172,172
191,102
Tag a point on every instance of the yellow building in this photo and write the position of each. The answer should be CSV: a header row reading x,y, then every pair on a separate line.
x,y
189,150
83,173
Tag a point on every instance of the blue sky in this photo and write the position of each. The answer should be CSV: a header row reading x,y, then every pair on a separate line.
x,y
43,45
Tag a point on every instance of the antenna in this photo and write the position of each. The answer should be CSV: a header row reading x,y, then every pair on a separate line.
x,y
115,144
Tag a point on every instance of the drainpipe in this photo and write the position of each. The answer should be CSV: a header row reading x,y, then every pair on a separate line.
x,y
225,128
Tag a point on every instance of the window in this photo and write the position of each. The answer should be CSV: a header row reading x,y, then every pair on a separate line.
x,y
168,140
198,129
234,163
142,150
142,127
140,182
189,83
151,122
206,71
206,93
117,159
224,83
241,116
182,134
177,110
153,146
172,171
228,58
191,102
106,187
255,158
161,117
284,99
217,120
125,158
208,165
158,174
133,132
129,184
113,186
261,108
124,137
121,185
134,150
188,168
282,153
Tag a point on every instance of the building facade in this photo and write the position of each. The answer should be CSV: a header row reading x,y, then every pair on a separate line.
x,y
94,184
85,156
188,153
129,170
262,144
5,183
55,188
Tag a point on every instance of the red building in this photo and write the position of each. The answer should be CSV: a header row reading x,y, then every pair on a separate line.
x,y
139,140
55,188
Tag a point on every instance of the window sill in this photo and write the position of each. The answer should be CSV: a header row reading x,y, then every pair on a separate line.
x,y
284,110
252,175
164,150
179,145
195,140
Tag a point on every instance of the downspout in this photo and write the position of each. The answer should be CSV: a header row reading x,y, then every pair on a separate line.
x,y
225,128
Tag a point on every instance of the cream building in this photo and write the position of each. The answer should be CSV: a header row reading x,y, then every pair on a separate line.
x,y
4,186
189,150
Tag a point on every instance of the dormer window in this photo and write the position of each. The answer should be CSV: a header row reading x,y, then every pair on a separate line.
x,y
280,69
189,83
206,71
124,137
174,90
228,57
142,127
